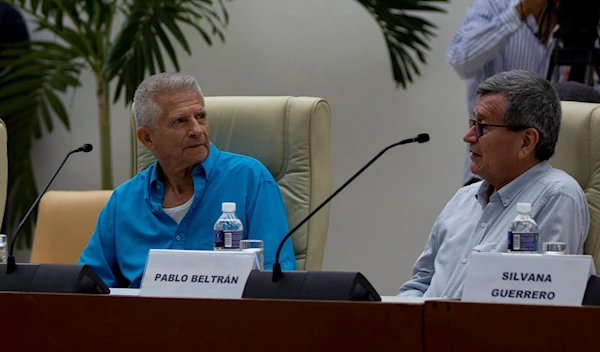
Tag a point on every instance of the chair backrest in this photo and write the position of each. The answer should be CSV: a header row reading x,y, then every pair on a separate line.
x,y
291,137
578,154
65,222
3,168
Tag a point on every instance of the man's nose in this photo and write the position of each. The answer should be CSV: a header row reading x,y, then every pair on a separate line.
x,y
196,128
470,136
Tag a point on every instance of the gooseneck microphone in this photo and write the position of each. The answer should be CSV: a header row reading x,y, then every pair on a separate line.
x,y
277,273
11,266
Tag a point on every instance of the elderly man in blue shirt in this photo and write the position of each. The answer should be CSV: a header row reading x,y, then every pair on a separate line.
x,y
175,202
513,134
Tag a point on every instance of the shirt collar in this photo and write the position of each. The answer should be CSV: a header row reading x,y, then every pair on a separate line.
x,y
507,193
202,168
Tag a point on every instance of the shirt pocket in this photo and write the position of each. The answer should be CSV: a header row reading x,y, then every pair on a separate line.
x,y
487,247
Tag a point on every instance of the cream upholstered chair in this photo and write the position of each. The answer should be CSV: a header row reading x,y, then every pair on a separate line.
x,y
289,135
65,222
3,168
578,154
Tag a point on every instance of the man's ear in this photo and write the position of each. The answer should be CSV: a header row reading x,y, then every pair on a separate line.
x,y
144,136
531,137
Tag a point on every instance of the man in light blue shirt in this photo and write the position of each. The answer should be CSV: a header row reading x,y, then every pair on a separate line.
x,y
497,36
517,120
175,202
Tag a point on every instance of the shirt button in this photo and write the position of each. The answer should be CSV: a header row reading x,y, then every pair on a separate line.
x,y
156,208
493,250
464,260
157,186
483,224
177,237
506,201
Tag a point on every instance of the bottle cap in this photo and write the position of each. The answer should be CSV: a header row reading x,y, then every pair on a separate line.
x,y
524,208
228,207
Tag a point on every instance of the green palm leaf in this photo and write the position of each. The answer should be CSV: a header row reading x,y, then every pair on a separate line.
x,y
28,100
406,35
149,30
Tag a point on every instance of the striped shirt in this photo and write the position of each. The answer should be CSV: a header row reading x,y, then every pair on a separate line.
x,y
492,39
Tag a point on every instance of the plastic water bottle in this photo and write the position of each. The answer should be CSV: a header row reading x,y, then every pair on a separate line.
x,y
3,248
523,235
228,229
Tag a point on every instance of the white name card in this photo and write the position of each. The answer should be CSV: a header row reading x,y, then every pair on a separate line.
x,y
527,278
196,274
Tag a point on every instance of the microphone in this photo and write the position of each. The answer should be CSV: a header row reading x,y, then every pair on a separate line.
x,y
11,266
277,273
86,148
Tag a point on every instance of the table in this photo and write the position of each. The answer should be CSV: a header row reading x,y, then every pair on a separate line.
x,y
63,322
59,322
455,325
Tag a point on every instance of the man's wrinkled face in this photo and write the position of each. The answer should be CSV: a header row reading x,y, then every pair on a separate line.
x,y
495,152
181,137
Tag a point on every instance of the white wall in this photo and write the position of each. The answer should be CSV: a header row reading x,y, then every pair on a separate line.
x,y
332,49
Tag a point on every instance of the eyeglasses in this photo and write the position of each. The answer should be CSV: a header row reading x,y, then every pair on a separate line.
x,y
480,126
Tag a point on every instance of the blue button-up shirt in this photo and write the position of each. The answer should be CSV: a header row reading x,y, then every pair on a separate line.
x,y
133,221
471,222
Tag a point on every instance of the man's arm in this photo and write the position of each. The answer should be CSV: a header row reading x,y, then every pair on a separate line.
x,y
423,270
100,252
563,218
267,221
482,35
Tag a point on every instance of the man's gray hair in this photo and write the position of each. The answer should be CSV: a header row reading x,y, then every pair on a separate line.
x,y
146,109
530,101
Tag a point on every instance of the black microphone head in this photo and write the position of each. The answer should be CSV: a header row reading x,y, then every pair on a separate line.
x,y
422,138
86,148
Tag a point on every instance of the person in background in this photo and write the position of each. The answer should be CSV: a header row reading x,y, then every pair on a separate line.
x,y
175,202
12,26
513,134
575,91
12,30
497,36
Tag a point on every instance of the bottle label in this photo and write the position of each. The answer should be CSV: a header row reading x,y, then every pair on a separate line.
x,y
522,242
228,239
219,241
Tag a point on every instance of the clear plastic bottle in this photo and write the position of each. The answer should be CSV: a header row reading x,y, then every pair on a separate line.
x,y
3,248
228,229
523,235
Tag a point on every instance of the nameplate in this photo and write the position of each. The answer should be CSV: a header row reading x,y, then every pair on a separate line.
x,y
525,278
196,274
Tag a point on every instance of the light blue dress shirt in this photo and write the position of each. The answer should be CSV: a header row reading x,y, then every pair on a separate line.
x,y
493,39
469,223
133,221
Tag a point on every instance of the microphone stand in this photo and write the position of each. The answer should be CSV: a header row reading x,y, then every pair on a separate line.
x,y
277,273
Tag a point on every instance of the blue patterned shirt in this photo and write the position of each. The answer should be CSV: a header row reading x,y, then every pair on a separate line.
x,y
133,221
472,223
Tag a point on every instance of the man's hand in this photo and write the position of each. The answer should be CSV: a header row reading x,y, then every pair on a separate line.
x,y
530,7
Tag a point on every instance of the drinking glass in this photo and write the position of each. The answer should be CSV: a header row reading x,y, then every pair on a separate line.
x,y
255,246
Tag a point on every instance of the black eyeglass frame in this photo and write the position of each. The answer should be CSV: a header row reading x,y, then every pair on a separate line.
x,y
479,126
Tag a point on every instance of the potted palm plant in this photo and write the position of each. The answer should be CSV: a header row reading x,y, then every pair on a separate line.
x,y
38,72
